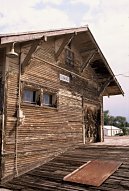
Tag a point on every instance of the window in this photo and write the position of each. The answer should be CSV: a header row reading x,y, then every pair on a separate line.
x,y
39,97
49,99
69,57
31,96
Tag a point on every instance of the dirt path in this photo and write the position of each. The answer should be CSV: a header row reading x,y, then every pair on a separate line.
x,y
116,140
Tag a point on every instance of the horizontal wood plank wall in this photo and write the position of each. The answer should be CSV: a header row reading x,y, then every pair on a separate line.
x,y
46,131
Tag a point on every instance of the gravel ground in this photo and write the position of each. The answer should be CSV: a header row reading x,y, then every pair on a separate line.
x,y
116,140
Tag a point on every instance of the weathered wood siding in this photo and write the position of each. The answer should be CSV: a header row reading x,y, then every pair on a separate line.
x,y
2,60
2,74
11,105
45,131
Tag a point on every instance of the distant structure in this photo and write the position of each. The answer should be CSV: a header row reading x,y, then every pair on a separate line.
x,y
110,130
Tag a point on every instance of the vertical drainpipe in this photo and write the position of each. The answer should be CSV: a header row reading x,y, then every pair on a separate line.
x,y
18,112
83,124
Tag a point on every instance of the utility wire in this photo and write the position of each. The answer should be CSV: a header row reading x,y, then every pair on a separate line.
x,y
122,75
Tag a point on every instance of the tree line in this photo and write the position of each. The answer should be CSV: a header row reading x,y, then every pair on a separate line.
x,y
118,121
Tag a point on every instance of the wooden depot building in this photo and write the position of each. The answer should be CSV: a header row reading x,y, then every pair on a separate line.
x,y
52,85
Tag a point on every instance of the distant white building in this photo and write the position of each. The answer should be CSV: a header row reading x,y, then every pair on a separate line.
x,y
110,130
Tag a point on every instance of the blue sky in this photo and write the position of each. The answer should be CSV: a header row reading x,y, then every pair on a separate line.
x,y
108,20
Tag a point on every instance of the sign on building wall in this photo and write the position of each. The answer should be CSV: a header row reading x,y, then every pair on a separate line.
x,y
64,78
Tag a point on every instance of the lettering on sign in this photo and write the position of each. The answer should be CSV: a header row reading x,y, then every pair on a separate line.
x,y
64,78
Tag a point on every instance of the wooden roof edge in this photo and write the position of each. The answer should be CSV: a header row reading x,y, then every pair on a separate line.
x,y
105,61
119,86
27,36
112,94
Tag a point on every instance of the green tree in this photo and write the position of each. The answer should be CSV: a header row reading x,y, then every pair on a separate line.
x,y
120,121
106,117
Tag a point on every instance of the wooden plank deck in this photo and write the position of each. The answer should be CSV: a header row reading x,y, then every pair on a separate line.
x,y
49,176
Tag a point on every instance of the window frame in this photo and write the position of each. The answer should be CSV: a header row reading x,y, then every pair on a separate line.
x,y
36,96
39,96
69,57
52,98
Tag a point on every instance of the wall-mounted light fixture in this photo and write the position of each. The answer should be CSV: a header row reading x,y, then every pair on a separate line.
x,y
12,53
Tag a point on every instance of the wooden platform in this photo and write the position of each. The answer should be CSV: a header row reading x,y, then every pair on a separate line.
x,y
49,176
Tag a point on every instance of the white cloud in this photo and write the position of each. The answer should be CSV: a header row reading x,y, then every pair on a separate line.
x,y
10,6
56,2
25,16
111,29
87,2
48,18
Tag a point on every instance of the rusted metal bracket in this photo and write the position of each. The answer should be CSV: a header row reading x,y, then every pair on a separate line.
x,y
65,42
88,61
105,85
33,48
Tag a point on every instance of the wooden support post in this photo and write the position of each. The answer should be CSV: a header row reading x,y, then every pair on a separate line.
x,y
83,122
101,121
65,42
28,57
88,61
31,51
104,86
3,111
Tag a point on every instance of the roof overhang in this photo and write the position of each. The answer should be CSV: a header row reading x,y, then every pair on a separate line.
x,y
20,37
87,46
102,68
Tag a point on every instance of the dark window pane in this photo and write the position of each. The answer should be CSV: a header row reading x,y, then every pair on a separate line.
x,y
29,96
69,59
47,99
